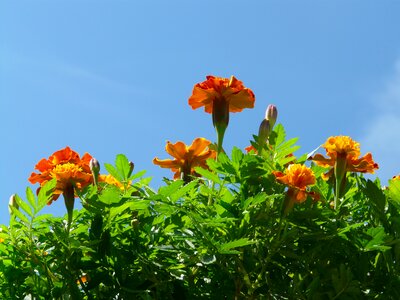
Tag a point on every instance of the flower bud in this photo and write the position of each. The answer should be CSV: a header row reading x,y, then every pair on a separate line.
x,y
94,166
271,115
264,131
131,167
12,203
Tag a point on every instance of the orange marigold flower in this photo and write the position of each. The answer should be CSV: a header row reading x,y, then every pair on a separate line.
x,y
220,89
297,177
396,177
67,167
220,96
345,149
186,158
251,148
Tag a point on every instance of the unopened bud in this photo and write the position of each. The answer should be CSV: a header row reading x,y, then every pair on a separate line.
x,y
94,165
264,131
271,115
12,203
131,167
95,168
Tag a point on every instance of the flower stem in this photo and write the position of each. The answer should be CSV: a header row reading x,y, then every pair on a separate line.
x,y
220,117
69,199
340,176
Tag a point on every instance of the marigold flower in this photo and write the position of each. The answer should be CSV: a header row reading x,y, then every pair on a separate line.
x,y
67,167
220,96
297,177
217,89
251,148
109,179
186,158
346,149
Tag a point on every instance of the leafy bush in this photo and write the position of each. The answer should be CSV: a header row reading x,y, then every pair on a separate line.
x,y
240,227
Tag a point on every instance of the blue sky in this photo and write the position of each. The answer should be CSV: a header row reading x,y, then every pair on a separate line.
x,y
109,77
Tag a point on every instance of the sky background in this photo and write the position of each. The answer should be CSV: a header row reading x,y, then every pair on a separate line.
x,y
110,77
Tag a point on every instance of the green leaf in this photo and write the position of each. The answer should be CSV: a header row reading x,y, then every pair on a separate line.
x,y
183,190
208,175
110,195
376,195
19,215
378,239
224,248
137,175
24,206
171,188
46,193
113,172
30,196
123,166
114,211
139,204
278,135
394,192
237,155
42,218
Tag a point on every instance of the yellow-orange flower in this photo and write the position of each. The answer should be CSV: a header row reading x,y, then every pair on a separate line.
x,y
297,177
220,89
396,177
109,179
346,149
67,167
186,158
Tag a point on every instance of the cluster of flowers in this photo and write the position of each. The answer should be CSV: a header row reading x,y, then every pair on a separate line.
x,y
219,97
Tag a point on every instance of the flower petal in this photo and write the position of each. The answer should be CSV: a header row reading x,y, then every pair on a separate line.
x,y
198,146
166,163
177,150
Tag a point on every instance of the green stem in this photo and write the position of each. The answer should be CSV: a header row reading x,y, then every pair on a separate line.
x,y
340,176
69,199
220,117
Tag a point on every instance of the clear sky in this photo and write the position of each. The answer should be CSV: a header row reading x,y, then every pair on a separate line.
x,y
109,77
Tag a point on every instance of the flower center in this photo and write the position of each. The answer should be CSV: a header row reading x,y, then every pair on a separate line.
x,y
65,168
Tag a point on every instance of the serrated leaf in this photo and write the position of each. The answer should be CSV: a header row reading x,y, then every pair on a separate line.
x,y
139,204
137,175
46,193
30,196
254,200
19,215
208,175
235,244
123,166
113,172
24,206
183,190
41,218
171,188
237,155
280,134
378,239
110,195
114,211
